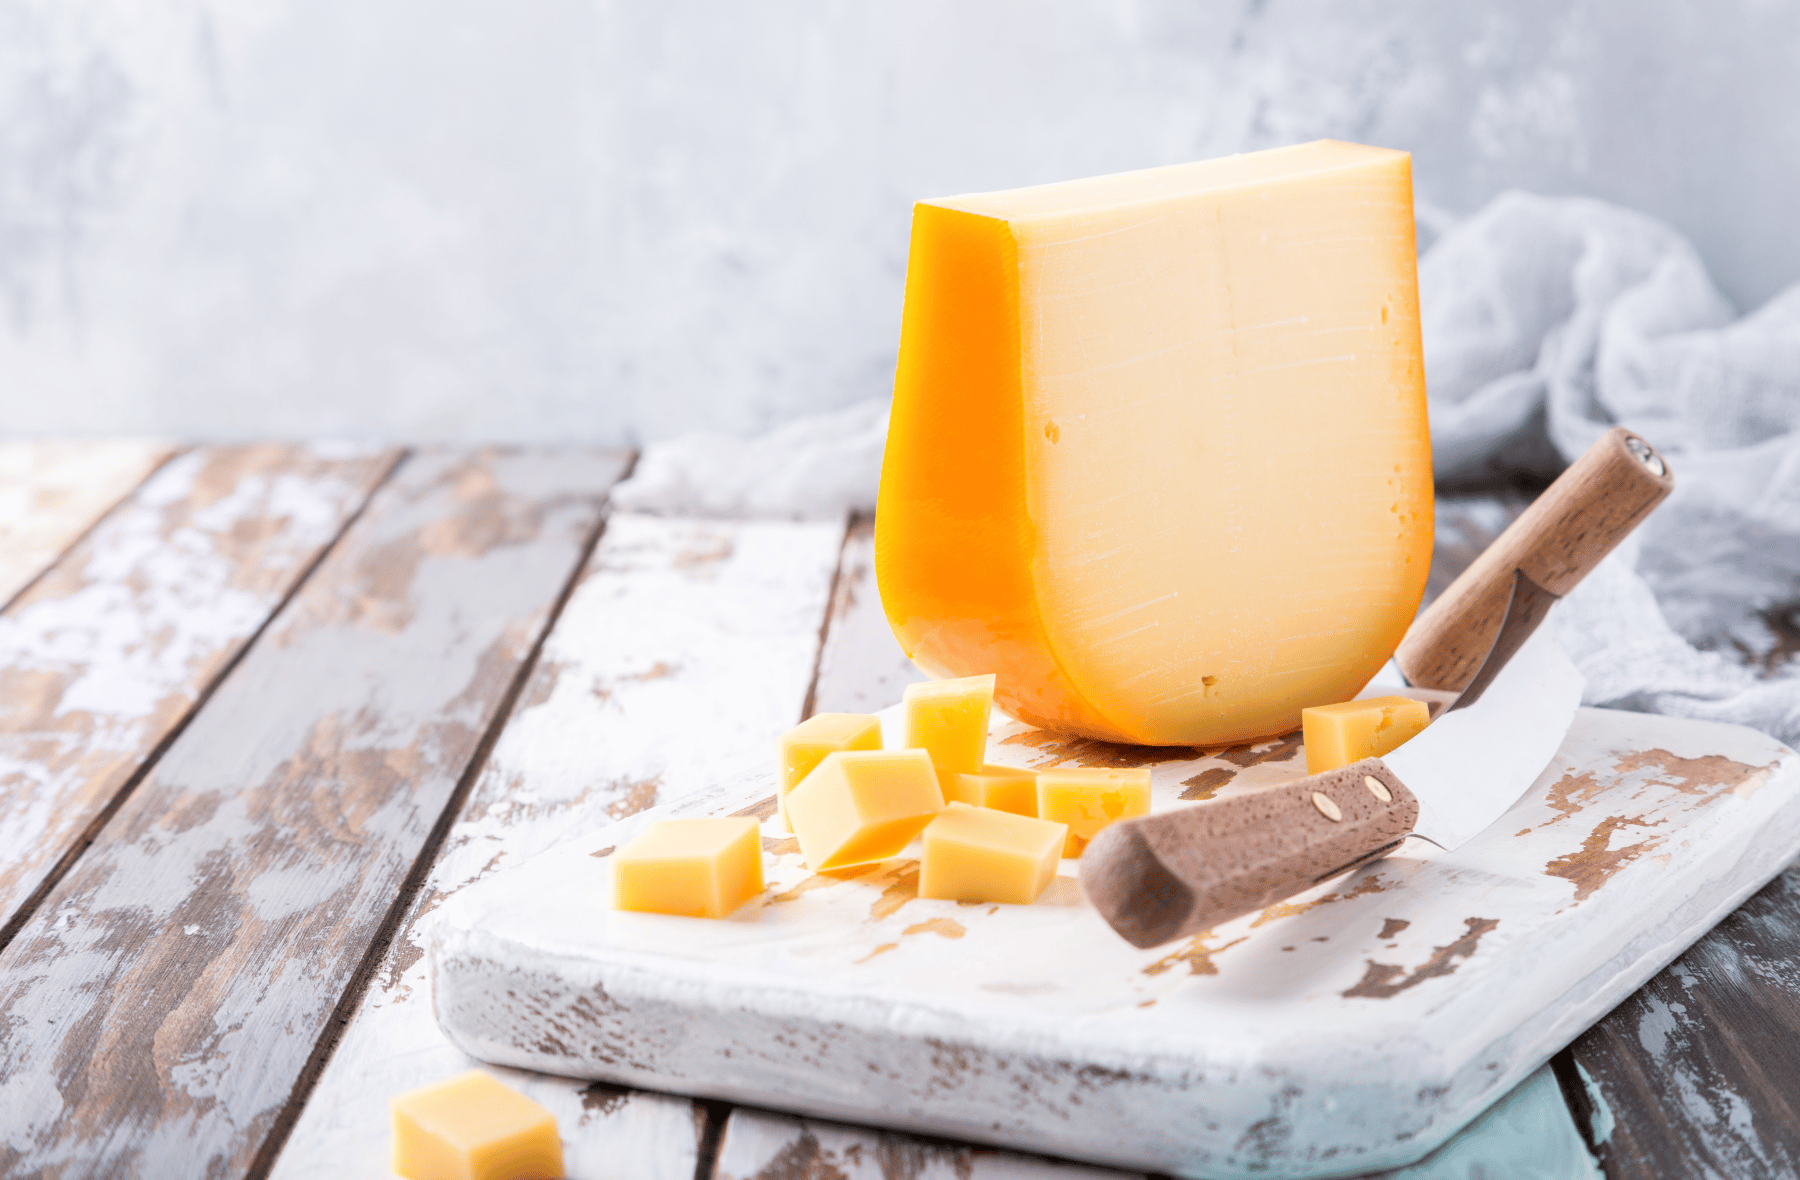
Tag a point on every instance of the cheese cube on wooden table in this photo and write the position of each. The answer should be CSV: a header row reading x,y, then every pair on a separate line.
x,y
1004,788
696,868
979,854
949,719
862,805
1337,735
805,746
473,1127
1088,799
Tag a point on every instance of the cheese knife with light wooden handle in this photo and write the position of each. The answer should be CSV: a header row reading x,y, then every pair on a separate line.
x,y
1162,876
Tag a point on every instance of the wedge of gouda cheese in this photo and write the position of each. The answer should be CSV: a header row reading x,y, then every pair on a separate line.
x,y
1158,452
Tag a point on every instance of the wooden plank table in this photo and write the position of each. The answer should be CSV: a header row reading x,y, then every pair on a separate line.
x,y
266,707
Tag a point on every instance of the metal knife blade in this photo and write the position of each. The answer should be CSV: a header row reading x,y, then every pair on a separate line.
x,y
1159,876
1480,755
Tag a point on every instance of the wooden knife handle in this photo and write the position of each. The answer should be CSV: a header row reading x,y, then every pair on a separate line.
x,y
1578,520
1158,877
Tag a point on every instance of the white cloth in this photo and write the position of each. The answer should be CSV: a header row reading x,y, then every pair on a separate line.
x,y
811,468
1546,321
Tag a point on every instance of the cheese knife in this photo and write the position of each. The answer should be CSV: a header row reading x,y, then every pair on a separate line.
x,y
1174,873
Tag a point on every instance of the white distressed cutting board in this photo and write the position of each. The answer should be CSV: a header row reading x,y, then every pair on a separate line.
x,y
1353,1028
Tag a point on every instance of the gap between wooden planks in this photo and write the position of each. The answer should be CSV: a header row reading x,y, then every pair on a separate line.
x,y
53,491
685,649
1698,1073
107,653
169,990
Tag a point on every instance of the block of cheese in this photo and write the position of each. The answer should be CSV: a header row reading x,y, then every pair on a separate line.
x,y
979,854
949,720
1003,788
805,746
1158,454
1337,735
698,868
1087,799
862,805
473,1127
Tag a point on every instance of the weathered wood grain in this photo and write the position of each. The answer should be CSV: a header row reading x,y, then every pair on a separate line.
x,y
758,1145
684,651
103,657
1698,1073
52,491
164,998
861,669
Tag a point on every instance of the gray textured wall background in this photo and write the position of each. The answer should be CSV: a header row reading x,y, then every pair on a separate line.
x,y
583,219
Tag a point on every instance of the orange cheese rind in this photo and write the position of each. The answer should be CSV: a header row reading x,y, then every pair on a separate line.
x,y
1158,453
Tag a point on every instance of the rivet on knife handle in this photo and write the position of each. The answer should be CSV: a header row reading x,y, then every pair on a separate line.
x,y
1555,542
1159,877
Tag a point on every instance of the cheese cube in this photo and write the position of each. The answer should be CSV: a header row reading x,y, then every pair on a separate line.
x,y
1337,735
979,854
949,720
950,782
1158,453
473,1127
862,805
1089,799
805,746
1004,788
697,868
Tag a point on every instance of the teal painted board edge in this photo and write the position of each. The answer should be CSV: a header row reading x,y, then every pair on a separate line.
x,y
1527,1135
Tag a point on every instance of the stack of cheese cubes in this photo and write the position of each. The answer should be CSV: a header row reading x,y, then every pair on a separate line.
x,y
989,833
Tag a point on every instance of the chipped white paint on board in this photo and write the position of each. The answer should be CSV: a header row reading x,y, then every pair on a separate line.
x,y
106,652
162,1001
1350,1029
762,1146
51,492
686,646
861,669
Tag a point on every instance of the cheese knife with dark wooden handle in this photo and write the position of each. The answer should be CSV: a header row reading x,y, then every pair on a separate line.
x,y
1162,876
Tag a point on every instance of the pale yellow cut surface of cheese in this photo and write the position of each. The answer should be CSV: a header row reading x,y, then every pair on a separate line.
x,y
1088,799
862,805
697,868
805,746
1003,788
979,854
473,1127
949,720
1158,454
1337,735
